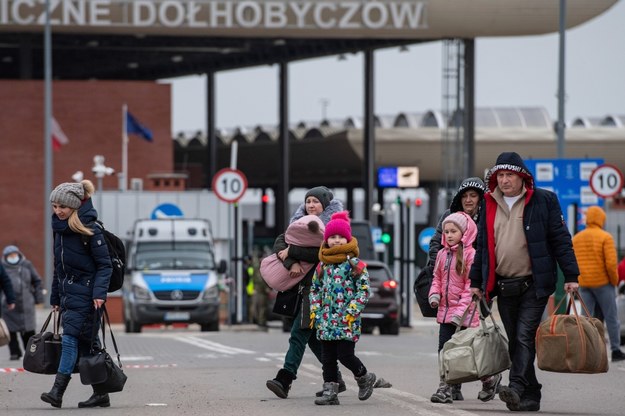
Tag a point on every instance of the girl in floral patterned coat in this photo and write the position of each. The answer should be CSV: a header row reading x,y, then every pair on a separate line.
x,y
339,292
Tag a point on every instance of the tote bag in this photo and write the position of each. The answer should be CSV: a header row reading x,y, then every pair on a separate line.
x,y
43,351
474,353
98,368
571,343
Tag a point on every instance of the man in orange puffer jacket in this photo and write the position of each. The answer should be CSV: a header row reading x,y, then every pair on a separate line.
x,y
596,257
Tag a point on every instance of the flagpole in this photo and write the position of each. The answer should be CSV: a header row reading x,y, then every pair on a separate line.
x,y
124,176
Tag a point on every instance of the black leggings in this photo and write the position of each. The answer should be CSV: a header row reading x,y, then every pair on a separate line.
x,y
343,351
14,346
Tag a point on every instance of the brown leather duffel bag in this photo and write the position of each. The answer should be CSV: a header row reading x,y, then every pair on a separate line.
x,y
572,343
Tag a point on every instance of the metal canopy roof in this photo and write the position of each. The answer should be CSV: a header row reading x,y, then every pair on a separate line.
x,y
154,57
149,40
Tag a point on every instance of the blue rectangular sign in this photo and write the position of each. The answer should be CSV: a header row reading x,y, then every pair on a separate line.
x,y
387,177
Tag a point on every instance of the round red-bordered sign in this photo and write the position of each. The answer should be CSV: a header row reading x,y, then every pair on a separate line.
x,y
229,184
606,180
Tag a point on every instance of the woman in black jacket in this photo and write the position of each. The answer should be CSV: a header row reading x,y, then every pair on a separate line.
x,y
82,269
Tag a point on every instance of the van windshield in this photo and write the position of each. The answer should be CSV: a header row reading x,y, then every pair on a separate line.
x,y
168,255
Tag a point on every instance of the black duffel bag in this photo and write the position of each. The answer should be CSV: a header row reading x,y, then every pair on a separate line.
x,y
43,351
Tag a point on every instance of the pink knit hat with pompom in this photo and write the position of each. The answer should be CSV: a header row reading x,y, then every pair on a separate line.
x,y
338,225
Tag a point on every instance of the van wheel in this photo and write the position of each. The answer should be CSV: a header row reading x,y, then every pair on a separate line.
x,y
132,327
210,327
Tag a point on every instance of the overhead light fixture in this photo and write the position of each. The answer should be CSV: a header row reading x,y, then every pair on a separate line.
x,y
93,43
133,65
7,59
279,42
177,58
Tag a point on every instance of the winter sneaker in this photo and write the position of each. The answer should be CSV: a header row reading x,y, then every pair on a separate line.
x,y
342,388
442,395
281,385
456,393
330,395
365,385
490,388
510,397
617,355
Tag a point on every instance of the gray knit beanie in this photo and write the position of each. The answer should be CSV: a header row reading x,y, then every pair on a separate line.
x,y
323,194
69,194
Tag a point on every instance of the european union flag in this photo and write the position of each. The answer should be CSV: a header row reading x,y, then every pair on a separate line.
x,y
134,127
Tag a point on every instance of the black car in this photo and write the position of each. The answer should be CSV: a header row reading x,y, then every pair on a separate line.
x,y
382,310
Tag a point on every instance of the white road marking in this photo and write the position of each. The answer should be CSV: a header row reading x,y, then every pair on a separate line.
x,y
213,346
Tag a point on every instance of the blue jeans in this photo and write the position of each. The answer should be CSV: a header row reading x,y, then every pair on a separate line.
x,y
521,317
300,337
605,298
69,354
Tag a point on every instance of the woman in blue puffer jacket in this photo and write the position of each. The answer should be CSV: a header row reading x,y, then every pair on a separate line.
x,y
82,270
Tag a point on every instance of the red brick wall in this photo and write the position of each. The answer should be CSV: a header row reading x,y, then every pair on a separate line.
x,y
90,114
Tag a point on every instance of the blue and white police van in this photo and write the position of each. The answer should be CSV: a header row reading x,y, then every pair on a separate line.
x,y
172,274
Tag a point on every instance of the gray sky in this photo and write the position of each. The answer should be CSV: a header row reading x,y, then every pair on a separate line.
x,y
515,71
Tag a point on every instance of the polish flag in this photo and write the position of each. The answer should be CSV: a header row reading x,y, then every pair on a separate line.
x,y
58,137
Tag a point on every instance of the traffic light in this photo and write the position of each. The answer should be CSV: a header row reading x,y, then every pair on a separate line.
x,y
418,202
385,238
265,199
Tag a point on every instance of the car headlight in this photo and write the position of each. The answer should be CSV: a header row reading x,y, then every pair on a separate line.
x,y
211,292
140,292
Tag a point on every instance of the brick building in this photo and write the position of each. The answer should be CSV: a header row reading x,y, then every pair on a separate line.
x,y
90,114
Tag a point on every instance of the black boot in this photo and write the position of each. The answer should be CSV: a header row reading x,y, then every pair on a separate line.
x,y
281,384
96,400
55,396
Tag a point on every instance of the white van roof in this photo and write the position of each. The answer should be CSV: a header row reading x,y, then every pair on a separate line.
x,y
176,229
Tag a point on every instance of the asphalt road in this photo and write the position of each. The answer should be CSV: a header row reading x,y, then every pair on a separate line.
x,y
187,372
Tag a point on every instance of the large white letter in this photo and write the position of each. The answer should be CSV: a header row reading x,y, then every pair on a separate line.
x,y
413,13
366,15
275,14
178,11
350,10
192,11
255,14
74,11
300,10
15,12
318,18
100,12
224,13
150,10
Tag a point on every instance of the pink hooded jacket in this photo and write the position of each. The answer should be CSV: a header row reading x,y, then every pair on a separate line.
x,y
452,287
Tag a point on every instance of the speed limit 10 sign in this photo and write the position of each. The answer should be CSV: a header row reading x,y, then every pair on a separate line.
x,y
606,180
229,184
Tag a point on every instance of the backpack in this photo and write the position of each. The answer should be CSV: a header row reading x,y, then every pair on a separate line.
x,y
421,290
117,252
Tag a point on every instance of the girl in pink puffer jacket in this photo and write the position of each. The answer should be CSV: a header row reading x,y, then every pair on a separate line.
x,y
451,294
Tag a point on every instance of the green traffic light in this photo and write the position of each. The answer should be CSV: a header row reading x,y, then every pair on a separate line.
x,y
386,238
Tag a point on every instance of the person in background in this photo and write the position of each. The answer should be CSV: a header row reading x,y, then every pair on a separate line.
x,y
260,294
7,288
522,238
27,287
339,292
80,281
596,255
621,276
451,294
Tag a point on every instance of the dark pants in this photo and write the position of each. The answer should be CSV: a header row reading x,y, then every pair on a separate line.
x,y
300,337
521,317
343,351
445,332
14,346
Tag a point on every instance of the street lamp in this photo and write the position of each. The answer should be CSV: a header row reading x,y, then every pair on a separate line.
x,y
100,171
